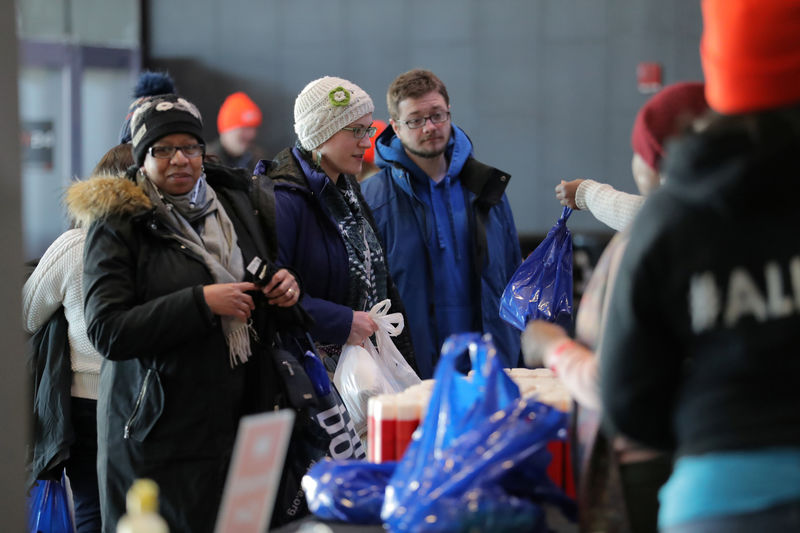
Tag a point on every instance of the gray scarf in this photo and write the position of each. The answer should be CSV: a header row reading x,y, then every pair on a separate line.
x,y
199,222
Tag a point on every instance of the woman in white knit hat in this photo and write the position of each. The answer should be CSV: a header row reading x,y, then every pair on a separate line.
x,y
325,228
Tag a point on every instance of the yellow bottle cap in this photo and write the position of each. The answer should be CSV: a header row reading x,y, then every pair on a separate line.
x,y
142,497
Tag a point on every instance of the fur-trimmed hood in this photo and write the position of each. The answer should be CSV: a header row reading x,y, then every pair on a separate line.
x,y
103,195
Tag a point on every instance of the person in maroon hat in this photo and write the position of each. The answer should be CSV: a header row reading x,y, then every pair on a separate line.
x,y
700,352
618,478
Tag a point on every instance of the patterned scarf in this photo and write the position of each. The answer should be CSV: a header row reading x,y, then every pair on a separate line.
x,y
367,267
199,222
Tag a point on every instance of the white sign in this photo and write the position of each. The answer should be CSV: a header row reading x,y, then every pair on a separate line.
x,y
255,472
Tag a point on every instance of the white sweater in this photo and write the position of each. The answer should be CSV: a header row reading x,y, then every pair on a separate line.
x,y
56,281
608,205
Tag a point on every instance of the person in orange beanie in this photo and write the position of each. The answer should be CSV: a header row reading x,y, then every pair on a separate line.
x,y
369,167
237,122
700,350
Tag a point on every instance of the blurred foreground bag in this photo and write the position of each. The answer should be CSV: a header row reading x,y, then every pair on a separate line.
x,y
477,463
541,288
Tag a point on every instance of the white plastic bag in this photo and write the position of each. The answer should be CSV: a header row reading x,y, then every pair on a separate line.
x,y
363,372
398,372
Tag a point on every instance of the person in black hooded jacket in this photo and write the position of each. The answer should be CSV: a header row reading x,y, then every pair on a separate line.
x,y
171,303
700,347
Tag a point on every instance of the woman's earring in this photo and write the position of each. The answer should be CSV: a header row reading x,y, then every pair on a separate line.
x,y
319,159
142,173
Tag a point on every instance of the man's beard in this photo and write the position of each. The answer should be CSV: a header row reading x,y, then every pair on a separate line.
x,y
424,154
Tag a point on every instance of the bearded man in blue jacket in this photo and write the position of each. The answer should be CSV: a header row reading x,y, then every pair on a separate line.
x,y
444,220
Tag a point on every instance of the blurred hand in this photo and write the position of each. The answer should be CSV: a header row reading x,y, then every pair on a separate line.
x,y
282,290
539,338
363,326
230,299
565,192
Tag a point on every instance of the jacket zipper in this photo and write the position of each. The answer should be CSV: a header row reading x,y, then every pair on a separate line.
x,y
127,432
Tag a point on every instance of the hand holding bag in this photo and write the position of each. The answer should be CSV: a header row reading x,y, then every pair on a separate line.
x,y
367,371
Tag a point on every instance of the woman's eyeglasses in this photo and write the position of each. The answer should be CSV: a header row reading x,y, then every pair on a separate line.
x,y
167,151
359,132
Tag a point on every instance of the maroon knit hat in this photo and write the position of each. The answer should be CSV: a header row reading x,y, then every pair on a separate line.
x,y
663,116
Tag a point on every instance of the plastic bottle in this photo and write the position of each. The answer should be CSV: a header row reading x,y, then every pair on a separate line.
x,y
142,510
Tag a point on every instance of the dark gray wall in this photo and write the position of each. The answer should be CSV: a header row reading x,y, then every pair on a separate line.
x,y
546,89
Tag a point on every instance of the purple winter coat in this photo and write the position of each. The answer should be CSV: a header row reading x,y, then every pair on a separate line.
x,y
309,241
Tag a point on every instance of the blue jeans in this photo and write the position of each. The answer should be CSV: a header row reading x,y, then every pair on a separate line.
x,y
82,466
778,519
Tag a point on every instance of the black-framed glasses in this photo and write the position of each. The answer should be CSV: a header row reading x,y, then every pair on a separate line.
x,y
359,132
168,151
436,118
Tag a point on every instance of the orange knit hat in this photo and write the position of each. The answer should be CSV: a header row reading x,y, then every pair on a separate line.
x,y
369,154
751,54
238,111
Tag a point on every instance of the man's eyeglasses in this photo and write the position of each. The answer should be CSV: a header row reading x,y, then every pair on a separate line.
x,y
167,151
436,118
359,132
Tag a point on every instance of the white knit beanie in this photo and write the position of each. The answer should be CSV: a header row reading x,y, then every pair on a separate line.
x,y
325,106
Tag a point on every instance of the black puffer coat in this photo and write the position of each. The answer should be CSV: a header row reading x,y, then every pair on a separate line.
x,y
169,401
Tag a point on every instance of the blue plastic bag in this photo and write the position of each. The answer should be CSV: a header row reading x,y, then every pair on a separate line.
x,y
48,507
541,288
479,462
347,491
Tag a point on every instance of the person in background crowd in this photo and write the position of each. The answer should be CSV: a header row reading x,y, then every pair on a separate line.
x,y
56,282
185,329
444,220
369,167
621,469
325,229
237,122
700,349
149,84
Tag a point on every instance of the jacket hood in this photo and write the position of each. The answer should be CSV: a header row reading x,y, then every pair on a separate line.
x,y
101,196
389,151
283,168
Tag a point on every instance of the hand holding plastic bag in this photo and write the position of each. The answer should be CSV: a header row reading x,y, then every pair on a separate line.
x,y
367,371
541,288
398,372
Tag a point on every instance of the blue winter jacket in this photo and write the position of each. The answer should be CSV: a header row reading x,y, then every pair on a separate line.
x,y
407,228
